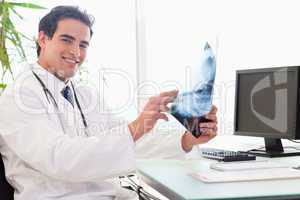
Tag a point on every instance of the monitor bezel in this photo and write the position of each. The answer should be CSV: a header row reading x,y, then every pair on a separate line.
x,y
292,133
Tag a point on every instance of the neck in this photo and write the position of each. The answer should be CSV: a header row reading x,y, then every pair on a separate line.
x,y
65,80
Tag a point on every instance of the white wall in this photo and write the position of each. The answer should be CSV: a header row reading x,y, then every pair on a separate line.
x,y
111,52
244,34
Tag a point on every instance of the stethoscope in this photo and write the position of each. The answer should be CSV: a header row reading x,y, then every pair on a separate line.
x,y
49,94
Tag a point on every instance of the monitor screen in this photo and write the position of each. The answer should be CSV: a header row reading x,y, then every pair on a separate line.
x,y
266,102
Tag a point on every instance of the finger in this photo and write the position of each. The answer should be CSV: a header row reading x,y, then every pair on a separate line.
x,y
152,107
153,103
157,108
172,93
208,125
211,117
213,110
166,100
208,132
162,116
154,100
163,108
159,104
158,100
148,114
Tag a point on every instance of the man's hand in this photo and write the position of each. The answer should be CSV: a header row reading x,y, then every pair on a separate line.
x,y
208,129
152,112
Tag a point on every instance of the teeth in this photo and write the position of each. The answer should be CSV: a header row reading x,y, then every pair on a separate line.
x,y
70,60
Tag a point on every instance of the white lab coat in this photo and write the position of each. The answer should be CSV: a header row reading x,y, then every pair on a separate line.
x,y
49,155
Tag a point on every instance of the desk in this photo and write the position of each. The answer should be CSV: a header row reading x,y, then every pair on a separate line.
x,y
170,178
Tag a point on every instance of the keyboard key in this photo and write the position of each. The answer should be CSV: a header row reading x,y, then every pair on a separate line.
x,y
226,155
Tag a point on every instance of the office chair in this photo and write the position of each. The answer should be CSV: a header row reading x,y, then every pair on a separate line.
x,y
6,191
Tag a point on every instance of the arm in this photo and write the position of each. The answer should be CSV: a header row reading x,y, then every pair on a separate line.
x,y
173,144
152,112
163,141
41,144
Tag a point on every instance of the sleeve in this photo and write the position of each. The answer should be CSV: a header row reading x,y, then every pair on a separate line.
x,y
164,142
41,144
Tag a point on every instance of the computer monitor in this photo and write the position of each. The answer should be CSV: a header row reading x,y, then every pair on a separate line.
x,y
267,105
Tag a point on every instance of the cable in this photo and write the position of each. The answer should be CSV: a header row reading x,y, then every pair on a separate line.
x,y
134,187
291,147
284,147
141,189
257,149
295,141
142,193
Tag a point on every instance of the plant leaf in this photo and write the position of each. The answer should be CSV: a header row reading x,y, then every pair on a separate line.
x,y
16,13
17,40
3,86
9,33
27,5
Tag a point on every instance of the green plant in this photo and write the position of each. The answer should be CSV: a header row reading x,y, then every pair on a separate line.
x,y
10,36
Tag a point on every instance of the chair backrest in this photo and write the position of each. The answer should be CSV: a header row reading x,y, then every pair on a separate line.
x,y
6,191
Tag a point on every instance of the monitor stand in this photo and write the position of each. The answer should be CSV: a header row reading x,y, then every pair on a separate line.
x,y
274,148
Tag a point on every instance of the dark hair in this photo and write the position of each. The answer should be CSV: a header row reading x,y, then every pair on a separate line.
x,y
48,23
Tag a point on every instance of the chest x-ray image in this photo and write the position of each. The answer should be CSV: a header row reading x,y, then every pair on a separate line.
x,y
190,106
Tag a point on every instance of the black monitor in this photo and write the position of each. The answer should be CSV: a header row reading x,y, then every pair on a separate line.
x,y
267,105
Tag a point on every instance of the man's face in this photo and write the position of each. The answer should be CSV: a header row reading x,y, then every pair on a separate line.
x,y
66,50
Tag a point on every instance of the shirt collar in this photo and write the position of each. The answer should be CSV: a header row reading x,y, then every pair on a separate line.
x,y
53,84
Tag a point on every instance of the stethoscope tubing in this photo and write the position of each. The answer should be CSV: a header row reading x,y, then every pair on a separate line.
x,y
49,94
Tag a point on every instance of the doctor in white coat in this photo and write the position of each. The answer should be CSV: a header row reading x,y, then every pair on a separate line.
x,y
57,140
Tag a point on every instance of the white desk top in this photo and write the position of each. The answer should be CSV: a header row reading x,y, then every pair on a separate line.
x,y
170,177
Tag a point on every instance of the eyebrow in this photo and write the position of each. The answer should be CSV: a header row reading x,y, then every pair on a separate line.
x,y
72,38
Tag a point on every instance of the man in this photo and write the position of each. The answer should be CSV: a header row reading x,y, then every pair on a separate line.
x,y
56,141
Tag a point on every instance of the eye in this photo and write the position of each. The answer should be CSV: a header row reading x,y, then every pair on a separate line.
x,y
83,46
66,40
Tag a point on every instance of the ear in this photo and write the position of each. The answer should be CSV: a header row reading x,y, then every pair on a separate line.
x,y
42,39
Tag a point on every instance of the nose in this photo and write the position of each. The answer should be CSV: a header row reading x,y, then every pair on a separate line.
x,y
75,51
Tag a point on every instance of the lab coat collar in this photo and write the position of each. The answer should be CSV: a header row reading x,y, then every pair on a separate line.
x,y
53,84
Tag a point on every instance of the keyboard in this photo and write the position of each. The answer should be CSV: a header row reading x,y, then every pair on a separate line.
x,y
226,155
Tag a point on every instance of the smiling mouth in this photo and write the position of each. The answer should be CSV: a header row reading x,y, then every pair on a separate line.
x,y
70,60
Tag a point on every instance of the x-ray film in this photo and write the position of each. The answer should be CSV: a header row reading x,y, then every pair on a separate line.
x,y
190,107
